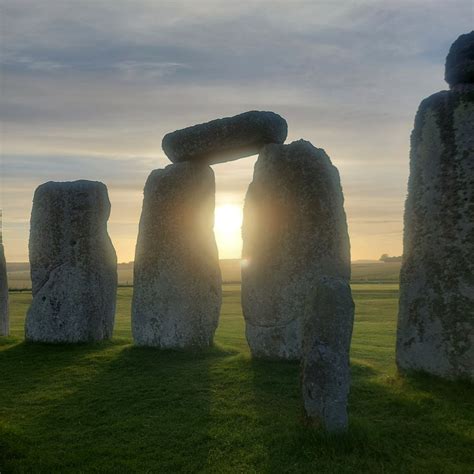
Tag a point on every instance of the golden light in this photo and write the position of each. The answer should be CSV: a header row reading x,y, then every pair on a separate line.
x,y
227,228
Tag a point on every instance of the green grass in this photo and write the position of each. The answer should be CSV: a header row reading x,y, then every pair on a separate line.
x,y
112,407
380,272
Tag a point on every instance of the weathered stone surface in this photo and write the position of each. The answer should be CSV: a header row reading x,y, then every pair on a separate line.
x,y
325,371
436,315
294,231
225,139
73,264
177,279
4,320
460,61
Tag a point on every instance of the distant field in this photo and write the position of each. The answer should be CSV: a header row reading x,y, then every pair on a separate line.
x,y
19,276
113,407
376,272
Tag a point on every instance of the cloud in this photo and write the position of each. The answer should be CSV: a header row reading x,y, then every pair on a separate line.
x,y
251,41
90,87
17,168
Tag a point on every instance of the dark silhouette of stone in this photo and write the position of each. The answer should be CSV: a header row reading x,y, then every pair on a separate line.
x,y
294,232
325,371
460,61
436,314
4,320
225,139
177,279
73,264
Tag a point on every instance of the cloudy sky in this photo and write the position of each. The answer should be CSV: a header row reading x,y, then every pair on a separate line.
x,y
89,88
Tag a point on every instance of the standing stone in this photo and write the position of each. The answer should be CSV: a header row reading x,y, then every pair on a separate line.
x,y
325,371
436,315
225,139
460,62
294,232
73,264
177,280
4,320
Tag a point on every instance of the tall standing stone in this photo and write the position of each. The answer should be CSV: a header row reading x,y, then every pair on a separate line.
x,y
177,280
294,232
436,315
4,320
73,264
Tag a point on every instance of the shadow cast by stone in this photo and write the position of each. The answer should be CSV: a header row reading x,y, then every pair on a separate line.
x,y
146,403
372,402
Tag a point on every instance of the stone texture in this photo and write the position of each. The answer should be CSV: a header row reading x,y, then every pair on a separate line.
x,y
294,231
177,279
4,320
325,371
225,139
73,264
460,61
436,315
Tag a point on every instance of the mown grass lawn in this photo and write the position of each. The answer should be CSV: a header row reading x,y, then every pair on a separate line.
x,y
112,407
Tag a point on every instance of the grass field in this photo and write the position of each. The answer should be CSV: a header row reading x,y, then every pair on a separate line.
x,y
19,273
112,407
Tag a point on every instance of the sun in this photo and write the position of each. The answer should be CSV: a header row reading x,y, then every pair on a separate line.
x,y
228,219
227,228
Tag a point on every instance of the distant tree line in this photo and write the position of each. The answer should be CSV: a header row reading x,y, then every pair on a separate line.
x,y
386,258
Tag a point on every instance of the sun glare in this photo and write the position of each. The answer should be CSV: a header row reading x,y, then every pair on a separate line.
x,y
227,228
228,219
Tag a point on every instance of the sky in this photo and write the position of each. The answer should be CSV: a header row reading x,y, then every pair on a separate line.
x,y
89,88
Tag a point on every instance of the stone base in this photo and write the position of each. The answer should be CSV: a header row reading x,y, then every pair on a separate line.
x,y
167,331
431,354
69,310
281,342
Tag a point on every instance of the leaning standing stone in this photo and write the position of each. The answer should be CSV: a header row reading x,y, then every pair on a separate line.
x,y
177,280
4,321
436,315
325,372
225,139
294,232
73,264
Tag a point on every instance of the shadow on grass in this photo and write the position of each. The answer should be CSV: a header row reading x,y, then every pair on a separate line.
x,y
33,377
392,421
112,407
118,407
27,366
